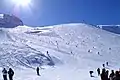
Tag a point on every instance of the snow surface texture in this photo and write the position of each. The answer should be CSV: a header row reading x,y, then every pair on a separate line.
x,y
72,51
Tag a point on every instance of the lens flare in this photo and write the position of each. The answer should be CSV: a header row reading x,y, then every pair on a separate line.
x,y
22,3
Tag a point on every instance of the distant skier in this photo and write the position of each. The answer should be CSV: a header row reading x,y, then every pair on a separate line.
x,y
4,71
71,53
109,48
11,73
98,71
98,53
103,65
38,71
107,63
47,52
89,50
91,72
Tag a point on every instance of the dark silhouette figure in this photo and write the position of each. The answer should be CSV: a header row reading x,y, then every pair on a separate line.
x,y
103,65
4,71
47,52
98,71
107,63
11,73
117,76
107,73
109,48
104,75
98,53
112,74
91,72
38,71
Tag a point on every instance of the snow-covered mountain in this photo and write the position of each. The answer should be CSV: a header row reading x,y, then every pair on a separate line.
x,y
9,21
110,28
72,51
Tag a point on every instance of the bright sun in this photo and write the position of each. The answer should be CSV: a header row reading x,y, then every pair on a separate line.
x,y
22,2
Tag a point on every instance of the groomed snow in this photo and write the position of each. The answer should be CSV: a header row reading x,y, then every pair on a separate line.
x,y
73,48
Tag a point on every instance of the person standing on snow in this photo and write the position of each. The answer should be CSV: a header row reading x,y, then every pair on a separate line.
x,y
98,70
91,72
103,65
112,74
107,63
117,76
104,75
107,73
4,71
11,73
38,71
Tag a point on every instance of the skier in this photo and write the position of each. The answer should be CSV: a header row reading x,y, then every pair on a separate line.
x,y
107,63
103,75
11,73
89,50
4,71
47,52
38,71
103,65
117,76
72,53
112,74
98,53
98,70
91,72
107,73
109,48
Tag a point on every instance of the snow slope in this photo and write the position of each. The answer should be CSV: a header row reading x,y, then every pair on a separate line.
x,y
72,51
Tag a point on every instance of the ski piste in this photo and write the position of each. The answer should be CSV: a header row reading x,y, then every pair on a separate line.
x,y
73,48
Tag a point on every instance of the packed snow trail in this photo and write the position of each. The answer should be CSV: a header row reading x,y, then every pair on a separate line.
x,y
72,51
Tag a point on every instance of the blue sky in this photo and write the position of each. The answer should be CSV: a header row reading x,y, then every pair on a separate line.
x,y
51,12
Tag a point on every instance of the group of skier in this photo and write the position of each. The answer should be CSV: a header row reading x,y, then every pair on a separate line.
x,y
98,70
104,75
10,73
113,75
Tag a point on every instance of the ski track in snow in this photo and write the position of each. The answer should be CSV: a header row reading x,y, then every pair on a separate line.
x,y
24,48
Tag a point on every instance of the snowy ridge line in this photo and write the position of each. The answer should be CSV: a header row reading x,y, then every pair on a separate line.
x,y
108,25
101,26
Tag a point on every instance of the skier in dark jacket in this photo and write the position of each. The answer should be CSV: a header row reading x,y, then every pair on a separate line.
x,y
98,70
107,73
107,63
38,71
104,75
91,72
103,65
4,71
11,73
117,76
112,74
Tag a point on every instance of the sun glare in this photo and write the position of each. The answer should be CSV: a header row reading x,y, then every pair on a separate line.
x,y
22,2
